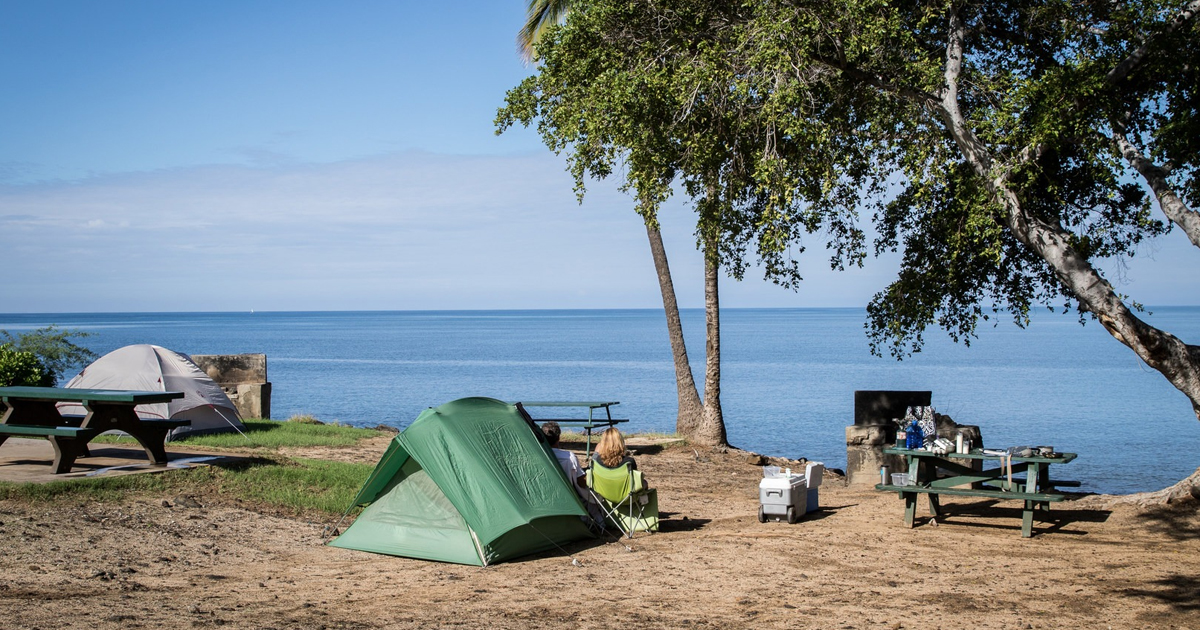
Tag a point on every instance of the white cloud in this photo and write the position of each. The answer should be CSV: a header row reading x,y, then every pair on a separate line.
x,y
401,231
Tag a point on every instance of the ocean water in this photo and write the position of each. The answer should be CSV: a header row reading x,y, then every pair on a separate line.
x,y
788,375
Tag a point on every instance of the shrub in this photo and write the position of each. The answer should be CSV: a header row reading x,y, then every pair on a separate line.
x,y
23,368
52,347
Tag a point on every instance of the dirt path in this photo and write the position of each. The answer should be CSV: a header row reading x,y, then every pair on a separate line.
x,y
151,562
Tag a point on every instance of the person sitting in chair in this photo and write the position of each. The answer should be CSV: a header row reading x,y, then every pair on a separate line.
x,y
627,500
566,459
610,452
570,465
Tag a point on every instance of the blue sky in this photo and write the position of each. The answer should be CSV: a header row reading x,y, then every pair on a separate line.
x,y
188,155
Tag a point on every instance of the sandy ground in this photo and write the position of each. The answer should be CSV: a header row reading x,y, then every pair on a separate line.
x,y
155,562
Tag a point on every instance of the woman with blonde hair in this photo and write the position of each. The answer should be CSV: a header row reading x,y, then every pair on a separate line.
x,y
610,452
625,498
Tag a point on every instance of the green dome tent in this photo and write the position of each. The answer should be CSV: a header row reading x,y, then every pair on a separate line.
x,y
471,482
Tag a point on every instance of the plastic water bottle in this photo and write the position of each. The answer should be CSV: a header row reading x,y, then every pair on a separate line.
x,y
915,438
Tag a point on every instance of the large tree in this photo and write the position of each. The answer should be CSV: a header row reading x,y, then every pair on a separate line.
x,y
1007,148
1016,133
690,411
624,86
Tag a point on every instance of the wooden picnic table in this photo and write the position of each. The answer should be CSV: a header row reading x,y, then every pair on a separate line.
x,y
587,424
1016,479
33,412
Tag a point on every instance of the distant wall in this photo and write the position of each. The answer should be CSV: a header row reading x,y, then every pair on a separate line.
x,y
244,379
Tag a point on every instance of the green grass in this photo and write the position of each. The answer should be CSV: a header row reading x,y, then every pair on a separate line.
x,y
271,434
96,490
296,485
301,484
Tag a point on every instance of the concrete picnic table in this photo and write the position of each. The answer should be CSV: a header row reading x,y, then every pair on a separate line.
x,y
33,412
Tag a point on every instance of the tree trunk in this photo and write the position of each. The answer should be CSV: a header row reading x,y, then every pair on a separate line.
x,y
711,431
1186,492
690,408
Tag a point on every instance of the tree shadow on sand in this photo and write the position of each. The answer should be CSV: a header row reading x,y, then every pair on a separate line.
x,y
1055,520
1178,521
1181,592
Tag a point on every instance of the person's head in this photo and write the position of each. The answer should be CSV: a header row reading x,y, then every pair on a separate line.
x,y
611,449
552,431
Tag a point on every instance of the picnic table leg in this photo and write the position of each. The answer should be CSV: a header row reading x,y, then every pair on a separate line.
x,y
935,505
1031,485
104,417
924,472
910,508
152,441
66,451
910,498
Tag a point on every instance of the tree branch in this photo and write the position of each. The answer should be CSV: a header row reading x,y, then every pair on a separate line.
x,y
878,81
956,123
1159,349
1156,176
1135,59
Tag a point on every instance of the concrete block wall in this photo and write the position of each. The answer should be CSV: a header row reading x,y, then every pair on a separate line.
x,y
244,379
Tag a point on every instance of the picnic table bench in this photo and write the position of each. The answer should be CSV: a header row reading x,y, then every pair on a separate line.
x,y
934,475
587,424
33,412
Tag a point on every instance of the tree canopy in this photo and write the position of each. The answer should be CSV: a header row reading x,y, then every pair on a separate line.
x,y
1005,148
624,87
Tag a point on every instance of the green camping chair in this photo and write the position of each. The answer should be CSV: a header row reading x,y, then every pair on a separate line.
x,y
627,503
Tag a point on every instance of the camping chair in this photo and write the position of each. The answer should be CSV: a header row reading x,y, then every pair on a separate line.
x,y
623,496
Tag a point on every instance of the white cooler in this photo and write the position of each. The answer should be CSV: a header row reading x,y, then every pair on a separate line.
x,y
812,475
782,497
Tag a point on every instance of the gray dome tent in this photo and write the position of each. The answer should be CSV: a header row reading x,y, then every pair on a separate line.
x,y
154,368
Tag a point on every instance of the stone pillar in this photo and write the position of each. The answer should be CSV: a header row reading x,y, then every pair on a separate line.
x,y
253,400
864,454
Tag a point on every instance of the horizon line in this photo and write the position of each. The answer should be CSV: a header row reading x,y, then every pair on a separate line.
x,y
1147,308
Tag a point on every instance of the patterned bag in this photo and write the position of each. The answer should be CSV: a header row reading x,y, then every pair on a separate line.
x,y
928,425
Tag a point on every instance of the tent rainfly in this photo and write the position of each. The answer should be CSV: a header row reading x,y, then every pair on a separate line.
x,y
153,368
471,482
